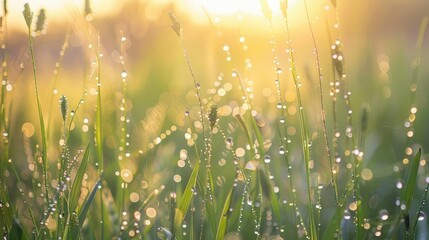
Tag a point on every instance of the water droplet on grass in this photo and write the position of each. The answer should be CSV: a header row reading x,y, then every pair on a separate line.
x,y
267,159
384,214
421,216
124,74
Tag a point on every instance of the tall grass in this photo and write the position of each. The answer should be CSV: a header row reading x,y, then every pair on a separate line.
x,y
225,165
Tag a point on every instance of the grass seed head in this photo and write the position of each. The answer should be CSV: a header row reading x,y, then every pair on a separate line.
x,y
41,19
5,11
88,9
213,115
28,15
64,107
175,24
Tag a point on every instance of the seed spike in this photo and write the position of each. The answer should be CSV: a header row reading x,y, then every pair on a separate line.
x,y
175,24
41,19
28,15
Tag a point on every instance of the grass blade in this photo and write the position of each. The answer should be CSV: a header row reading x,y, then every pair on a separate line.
x,y
185,201
335,221
77,184
88,202
223,221
28,16
410,186
16,231
211,216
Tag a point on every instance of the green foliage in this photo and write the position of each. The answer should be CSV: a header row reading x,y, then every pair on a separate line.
x,y
16,231
246,161
410,185
188,195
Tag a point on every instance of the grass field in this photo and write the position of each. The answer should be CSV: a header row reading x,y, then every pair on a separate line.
x,y
214,120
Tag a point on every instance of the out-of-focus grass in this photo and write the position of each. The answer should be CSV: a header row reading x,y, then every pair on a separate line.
x,y
160,164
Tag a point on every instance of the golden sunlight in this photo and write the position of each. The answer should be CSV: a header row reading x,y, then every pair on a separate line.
x,y
57,11
230,7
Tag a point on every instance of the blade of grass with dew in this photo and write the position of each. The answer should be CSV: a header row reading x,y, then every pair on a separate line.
x,y
413,89
410,186
84,211
303,127
268,186
210,208
270,194
172,210
167,233
223,221
322,105
77,183
28,16
420,212
73,228
186,197
408,192
6,213
99,133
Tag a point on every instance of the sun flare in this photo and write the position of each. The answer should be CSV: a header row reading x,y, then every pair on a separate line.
x,y
230,7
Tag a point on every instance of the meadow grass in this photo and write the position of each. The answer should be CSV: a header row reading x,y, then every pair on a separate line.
x,y
221,164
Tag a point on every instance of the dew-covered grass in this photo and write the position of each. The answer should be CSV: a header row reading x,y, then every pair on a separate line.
x,y
155,124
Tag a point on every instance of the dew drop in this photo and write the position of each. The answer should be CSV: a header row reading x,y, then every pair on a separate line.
x,y
421,216
281,150
267,159
384,214
347,215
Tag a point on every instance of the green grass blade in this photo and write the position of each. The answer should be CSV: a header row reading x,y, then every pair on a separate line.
x,y
28,16
77,184
6,214
88,202
187,196
73,229
410,186
16,231
223,221
334,224
210,208
268,192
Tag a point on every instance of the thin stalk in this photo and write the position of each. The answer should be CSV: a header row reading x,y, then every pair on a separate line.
x,y
28,17
123,124
283,142
3,117
322,105
62,183
281,106
304,135
205,172
56,76
99,133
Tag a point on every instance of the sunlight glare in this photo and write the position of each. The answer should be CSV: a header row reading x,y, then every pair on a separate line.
x,y
57,11
231,7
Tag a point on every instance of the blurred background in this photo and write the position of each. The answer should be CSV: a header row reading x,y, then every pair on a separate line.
x,y
221,36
